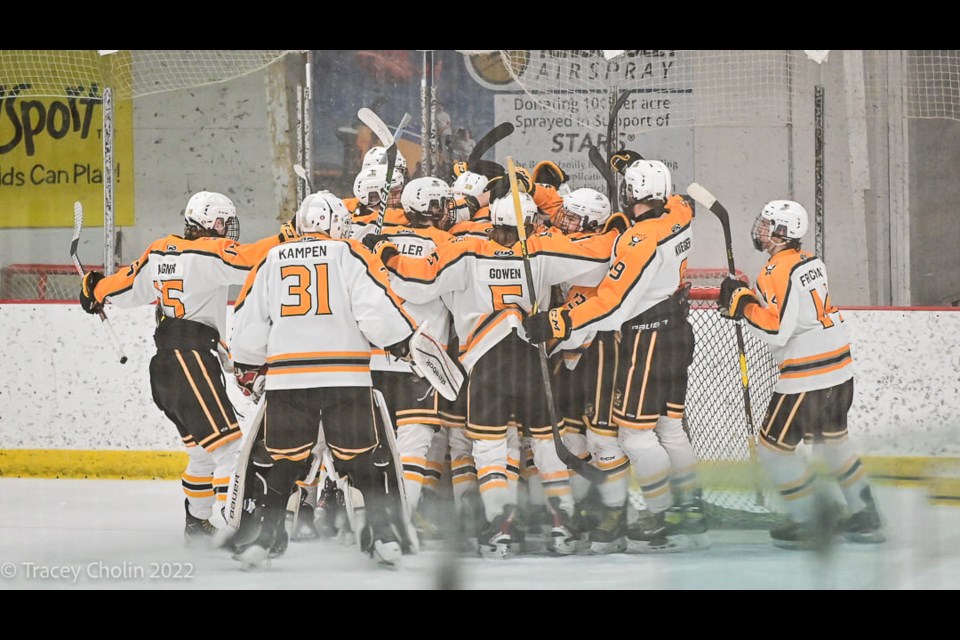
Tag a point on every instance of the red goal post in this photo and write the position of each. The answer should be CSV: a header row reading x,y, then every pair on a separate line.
x,y
41,282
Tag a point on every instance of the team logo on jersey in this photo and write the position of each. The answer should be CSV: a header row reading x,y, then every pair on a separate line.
x,y
676,228
770,267
635,240
171,247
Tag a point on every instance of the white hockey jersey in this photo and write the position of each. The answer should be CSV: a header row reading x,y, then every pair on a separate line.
x,y
647,267
188,279
416,242
484,284
310,311
798,321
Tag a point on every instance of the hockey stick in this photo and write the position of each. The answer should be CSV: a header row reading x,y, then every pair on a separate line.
x,y
488,141
74,244
391,157
302,173
575,463
380,128
612,122
708,200
604,168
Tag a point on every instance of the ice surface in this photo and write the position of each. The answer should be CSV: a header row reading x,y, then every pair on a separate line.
x,y
115,534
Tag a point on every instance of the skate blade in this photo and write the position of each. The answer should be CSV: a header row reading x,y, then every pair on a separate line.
x,y
671,545
498,551
387,554
254,558
874,537
563,546
603,548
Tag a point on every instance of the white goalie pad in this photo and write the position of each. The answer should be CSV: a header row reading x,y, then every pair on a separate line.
x,y
398,469
430,361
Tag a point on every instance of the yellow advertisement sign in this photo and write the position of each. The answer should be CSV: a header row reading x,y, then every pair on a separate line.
x,y
51,153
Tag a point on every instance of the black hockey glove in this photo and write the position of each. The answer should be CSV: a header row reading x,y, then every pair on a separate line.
x,y
288,231
400,350
546,325
251,378
623,159
88,301
500,185
734,297
548,172
370,241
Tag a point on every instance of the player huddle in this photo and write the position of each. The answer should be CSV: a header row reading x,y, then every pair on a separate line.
x,y
496,268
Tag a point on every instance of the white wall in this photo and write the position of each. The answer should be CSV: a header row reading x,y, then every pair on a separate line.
x,y
61,386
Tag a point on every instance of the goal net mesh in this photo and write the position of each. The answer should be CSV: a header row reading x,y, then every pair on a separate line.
x,y
130,73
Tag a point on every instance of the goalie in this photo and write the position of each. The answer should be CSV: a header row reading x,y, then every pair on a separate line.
x,y
309,312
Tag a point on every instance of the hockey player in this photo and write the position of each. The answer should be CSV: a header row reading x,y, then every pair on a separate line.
x,y
482,281
368,187
792,312
412,400
643,297
189,277
307,314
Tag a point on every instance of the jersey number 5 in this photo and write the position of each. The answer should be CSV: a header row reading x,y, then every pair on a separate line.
x,y
167,289
300,278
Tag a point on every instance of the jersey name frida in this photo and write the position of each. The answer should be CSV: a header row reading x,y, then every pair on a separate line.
x,y
810,276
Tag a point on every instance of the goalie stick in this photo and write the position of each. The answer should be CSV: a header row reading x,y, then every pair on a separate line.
x,y
575,463
488,141
606,172
708,200
74,244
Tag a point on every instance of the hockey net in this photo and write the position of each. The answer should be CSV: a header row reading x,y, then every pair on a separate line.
x,y
130,73
40,282
735,491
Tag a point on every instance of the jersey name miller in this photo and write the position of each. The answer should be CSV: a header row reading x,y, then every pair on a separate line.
x,y
299,253
810,276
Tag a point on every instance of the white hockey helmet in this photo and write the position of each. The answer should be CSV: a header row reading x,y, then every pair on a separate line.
x,y
503,213
426,197
370,182
322,212
378,155
583,209
469,183
646,180
784,219
214,212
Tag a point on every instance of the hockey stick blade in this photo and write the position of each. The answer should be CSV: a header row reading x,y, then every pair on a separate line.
x,y
488,141
611,123
377,125
74,246
302,174
708,200
603,167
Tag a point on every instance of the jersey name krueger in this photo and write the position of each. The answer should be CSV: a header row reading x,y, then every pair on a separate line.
x,y
311,309
189,279
484,285
798,320
415,242
647,266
